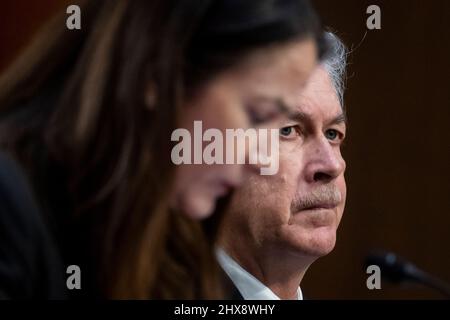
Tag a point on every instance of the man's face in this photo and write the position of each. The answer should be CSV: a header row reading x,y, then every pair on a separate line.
x,y
299,208
242,96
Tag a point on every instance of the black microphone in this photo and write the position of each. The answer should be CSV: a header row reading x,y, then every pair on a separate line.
x,y
397,270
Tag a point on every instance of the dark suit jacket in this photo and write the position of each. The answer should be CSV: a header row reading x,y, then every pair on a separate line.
x,y
30,263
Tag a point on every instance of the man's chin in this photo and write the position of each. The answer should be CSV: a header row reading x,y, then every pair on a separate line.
x,y
316,243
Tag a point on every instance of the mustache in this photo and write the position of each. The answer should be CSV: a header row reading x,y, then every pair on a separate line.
x,y
325,196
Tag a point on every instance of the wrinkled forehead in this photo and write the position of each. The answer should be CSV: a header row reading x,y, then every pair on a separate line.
x,y
319,95
277,72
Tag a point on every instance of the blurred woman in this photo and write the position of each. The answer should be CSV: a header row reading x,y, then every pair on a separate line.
x,y
87,116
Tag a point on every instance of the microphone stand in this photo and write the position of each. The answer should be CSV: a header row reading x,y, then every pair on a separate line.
x,y
396,270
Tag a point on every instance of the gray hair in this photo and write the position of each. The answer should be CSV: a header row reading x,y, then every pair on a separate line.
x,y
335,63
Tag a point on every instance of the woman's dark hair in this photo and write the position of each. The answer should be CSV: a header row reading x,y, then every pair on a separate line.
x,y
88,113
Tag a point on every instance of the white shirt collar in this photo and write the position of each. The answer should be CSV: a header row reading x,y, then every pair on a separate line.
x,y
249,287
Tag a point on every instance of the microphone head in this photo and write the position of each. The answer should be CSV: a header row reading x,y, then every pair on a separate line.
x,y
393,268
396,270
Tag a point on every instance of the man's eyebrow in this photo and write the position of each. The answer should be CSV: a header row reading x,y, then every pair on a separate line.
x,y
304,117
284,109
296,115
341,118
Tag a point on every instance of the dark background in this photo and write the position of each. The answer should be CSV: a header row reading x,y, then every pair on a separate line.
x,y
398,160
398,147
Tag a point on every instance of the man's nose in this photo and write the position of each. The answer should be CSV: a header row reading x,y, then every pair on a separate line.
x,y
324,162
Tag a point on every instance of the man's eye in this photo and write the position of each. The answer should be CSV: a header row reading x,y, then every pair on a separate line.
x,y
286,131
331,134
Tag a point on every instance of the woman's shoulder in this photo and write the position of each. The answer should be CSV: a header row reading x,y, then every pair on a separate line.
x,y
14,187
27,252
17,204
